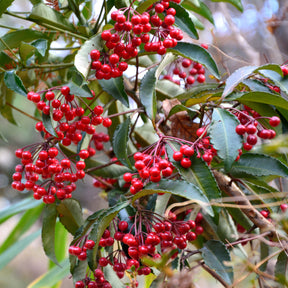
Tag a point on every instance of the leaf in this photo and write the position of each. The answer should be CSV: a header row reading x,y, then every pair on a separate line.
x,y
115,88
82,58
167,59
17,248
14,82
216,256
13,39
47,122
183,21
23,225
41,45
281,267
147,92
70,214
17,207
26,51
144,5
43,14
144,135
178,108
52,276
200,9
80,90
79,270
236,3
4,4
179,188
244,72
120,142
112,277
167,89
6,61
48,231
198,54
223,136
103,220
258,165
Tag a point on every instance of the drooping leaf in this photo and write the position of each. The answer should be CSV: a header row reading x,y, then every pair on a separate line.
x,y
17,248
223,136
47,122
18,207
115,88
52,276
43,14
70,214
103,220
258,165
147,92
4,4
179,188
26,221
48,231
216,257
14,82
198,54
236,3
120,142
41,45
82,59
183,21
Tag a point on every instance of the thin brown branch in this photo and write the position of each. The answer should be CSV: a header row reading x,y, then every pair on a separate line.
x,y
22,112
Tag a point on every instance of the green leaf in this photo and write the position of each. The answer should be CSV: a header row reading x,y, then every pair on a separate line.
x,y
236,3
258,165
43,14
82,58
121,3
120,142
183,21
198,54
223,136
78,270
178,108
112,277
23,225
47,122
17,248
70,214
179,188
41,45
52,276
147,92
103,220
6,61
144,5
200,9
81,91
4,4
18,207
13,39
26,51
281,268
13,82
167,89
216,256
48,231
244,72
115,88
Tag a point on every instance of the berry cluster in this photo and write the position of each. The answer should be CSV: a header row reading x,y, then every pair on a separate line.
x,y
81,252
148,233
132,29
39,160
251,128
186,71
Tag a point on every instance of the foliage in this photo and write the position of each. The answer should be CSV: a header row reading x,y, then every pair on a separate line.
x,y
186,184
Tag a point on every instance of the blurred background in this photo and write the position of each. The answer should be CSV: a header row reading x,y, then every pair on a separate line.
x,y
257,36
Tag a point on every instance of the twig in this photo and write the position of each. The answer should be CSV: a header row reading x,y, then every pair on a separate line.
x,y
22,112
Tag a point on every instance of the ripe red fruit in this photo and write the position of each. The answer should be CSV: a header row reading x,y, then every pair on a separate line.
x,y
84,154
186,162
284,207
201,132
252,139
123,225
274,121
191,236
65,90
127,177
169,20
177,156
201,78
94,54
241,129
107,122
251,129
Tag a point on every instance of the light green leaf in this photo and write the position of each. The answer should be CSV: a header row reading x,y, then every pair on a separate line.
x,y
14,82
236,3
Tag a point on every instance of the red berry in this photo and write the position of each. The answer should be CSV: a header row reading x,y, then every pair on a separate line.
x,y
284,207
94,54
201,78
201,132
65,90
186,162
107,122
123,225
177,156
169,20
274,121
241,129
252,139
251,129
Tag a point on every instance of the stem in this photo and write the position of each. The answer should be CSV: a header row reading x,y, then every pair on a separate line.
x,y
22,112
8,27
95,29
65,48
137,72
126,112
11,51
42,66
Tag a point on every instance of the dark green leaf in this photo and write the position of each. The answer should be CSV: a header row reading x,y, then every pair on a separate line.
x,y
147,92
183,21
48,231
41,45
258,165
18,207
17,248
26,51
82,58
144,5
103,220
216,257
4,4
115,88
53,276
179,188
178,108
70,214
121,3
6,61
13,82
200,9
26,221
236,3
47,122
223,136
198,54
78,270
81,91
281,268
120,142
43,14
13,39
